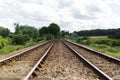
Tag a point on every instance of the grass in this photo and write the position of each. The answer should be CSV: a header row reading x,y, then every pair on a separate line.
x,y
113,51
11,48
110,50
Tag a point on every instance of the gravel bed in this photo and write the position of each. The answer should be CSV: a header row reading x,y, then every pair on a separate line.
x,y
18,68
62,64
110,68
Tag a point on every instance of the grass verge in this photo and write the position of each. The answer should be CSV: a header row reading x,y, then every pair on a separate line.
x,y
11,48
113,51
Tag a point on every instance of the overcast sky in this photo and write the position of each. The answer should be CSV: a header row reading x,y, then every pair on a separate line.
x,y
70,15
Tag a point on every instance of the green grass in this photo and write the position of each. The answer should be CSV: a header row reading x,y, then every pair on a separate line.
x,y
11,48
110,50
113,51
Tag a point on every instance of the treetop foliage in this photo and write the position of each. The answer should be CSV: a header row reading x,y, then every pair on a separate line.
x,y
4,32
112,33
52,29
28,30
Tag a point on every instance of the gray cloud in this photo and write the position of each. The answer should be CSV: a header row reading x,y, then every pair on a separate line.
x,y
80,16
69,14
93,9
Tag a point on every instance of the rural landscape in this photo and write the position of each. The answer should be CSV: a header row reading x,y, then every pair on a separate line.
x,y
64,40
107,41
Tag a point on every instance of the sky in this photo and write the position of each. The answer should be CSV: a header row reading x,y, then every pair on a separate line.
x,y
70,15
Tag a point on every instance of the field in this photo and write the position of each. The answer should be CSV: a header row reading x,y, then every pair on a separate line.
x,y
98,37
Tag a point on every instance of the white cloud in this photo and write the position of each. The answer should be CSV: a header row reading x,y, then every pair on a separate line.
x,y
69,14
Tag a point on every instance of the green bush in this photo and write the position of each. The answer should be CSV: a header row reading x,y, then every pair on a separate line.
x,y
110,42
18,39
116,43
39,39
30,43
3,42
84,40
27,38
50,37
105,42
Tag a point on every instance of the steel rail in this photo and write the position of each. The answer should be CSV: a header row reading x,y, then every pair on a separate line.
x,y
20,53
37,64
105,76
110,58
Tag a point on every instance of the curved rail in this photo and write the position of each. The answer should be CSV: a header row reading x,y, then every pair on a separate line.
x,y
105,76
37,64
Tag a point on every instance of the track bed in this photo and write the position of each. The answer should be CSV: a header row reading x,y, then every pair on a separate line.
x,y
62,64
111,68
20,66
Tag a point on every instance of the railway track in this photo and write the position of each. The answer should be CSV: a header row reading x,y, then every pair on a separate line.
x,y
59,60
109,65
61,64
18,65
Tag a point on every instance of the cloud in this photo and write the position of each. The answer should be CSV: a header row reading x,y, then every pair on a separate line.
x,y
69,14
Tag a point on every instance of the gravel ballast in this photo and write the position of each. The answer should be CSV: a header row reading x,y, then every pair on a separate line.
x,y
62,64
18,68
110,68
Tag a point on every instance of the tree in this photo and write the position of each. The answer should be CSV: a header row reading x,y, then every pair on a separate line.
x,y
16,28
44,30
111,33
18,39
27,38
115,36
54,29
32,32
64,33
50,36
4,32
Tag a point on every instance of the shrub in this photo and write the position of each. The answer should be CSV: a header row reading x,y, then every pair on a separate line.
x,y
50,37
18,39
39,39
82,38
27,38
107,42
116,43
110,42
3,42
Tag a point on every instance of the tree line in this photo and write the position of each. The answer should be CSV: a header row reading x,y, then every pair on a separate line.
x,y
24,33
111,33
